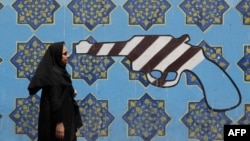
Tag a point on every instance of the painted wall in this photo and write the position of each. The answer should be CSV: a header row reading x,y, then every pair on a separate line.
x,y
203,46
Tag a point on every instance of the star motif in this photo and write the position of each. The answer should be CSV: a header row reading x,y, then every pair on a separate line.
x,y
243,8
35,13
25,116
28,57
245,119
96,118
140,76
204,13
91,12
213,54
146,13
203,123
89,68
146,118
0,121
244,63
1,5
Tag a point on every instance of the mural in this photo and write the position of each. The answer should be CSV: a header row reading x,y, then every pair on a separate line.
x,y
169,57
145,70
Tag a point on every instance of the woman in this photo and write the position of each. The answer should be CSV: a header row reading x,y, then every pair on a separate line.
x,y
58,108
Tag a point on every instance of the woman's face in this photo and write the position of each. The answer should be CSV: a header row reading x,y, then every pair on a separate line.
x,y
65,55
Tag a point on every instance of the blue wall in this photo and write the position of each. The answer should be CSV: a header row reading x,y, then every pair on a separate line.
x,y
117,102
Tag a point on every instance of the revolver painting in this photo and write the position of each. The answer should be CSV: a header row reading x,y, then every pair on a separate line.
x,y
164,58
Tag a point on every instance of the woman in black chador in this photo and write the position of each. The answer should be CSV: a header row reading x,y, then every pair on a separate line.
x,y
59,116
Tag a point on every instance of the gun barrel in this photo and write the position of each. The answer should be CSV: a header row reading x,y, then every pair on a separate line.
x,y
145,52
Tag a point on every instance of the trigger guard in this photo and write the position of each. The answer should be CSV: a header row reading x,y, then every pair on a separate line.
x,y
156,74
170,80
171,76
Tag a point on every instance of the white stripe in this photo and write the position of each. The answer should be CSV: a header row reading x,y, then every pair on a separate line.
x,y
83,47
193,62
173,56
150,52
130,45
105,48
189,65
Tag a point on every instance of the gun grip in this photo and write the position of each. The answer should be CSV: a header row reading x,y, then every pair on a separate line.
x,y
220,91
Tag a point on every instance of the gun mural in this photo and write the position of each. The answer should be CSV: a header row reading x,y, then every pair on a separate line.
x,y
164,58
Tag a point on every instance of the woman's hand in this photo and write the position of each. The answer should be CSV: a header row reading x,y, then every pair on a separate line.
x,y
75,93
60,130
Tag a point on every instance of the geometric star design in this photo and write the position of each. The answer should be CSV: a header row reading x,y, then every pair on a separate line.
x,y
204,13
35,12
89,68
1,5
245,119
0,120
214,54
146,117
28,57
244,63
243,8
140,76
91,12
95,117
146,12
204,124
25,116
